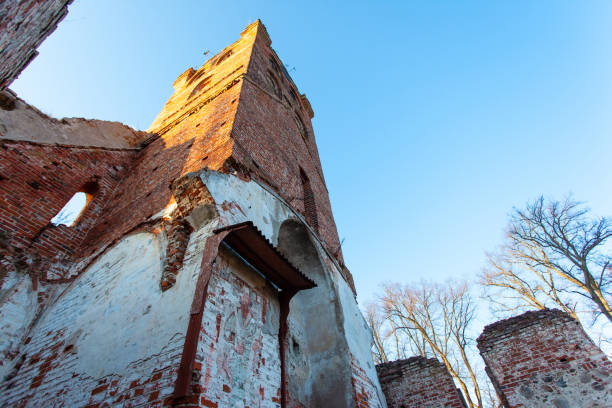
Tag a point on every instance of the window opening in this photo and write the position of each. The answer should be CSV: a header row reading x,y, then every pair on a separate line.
x,y
301,127
310,207
273,84
224,56
73,209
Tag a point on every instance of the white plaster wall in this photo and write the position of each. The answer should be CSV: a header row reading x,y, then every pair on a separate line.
x,y
117,320
18,308
239,201
359,338
120,324
246,201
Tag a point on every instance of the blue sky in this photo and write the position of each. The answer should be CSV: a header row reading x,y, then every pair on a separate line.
x,y
433,118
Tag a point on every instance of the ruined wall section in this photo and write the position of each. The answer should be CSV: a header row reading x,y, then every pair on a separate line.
x,y
24,24
543,359
20,121
418,382
36,181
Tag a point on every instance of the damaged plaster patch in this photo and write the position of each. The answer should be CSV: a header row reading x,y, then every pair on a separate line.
x,y
119,309
18,308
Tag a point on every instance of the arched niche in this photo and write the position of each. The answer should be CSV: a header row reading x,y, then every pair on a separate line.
x,y
318,366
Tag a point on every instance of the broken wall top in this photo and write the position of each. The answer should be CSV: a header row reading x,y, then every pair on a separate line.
x,y
20,121
513,325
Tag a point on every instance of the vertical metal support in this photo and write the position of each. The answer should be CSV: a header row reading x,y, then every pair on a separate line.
x,y
182,387
284,298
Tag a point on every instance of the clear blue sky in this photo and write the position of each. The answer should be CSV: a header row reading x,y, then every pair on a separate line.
x,y
433,118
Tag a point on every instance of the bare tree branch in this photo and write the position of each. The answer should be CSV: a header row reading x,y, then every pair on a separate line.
x,y
551,250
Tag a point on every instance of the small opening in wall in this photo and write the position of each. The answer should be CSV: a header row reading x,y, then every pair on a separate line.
x,y
296,347
301,127
73,209
69,214
275,65
310,207
273,84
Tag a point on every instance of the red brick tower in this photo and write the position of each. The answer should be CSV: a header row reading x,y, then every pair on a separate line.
x,y
259,128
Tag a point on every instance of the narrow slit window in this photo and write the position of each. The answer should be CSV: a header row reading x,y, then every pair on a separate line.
x,y
310,207
73,209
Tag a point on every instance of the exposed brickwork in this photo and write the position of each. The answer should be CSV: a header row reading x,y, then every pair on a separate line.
x,y
178,232
24,24
62,367
238,350
364,389
36,181
418,382
272,140
275,138
545,359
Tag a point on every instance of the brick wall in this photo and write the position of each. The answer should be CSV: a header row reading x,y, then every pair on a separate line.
x,y
36,181
24,24
238,361
545,359
117,333
418,382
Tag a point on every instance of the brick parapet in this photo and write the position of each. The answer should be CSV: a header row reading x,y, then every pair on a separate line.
x,y
544,358
510,326
418,382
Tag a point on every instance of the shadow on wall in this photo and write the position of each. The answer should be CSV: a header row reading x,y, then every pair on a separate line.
x,y
318,370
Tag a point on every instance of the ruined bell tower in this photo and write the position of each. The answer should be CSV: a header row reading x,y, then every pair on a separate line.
x,y
205,268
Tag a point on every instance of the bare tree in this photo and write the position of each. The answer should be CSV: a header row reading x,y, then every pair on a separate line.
x,y
554,253
513,287
435,320
376,321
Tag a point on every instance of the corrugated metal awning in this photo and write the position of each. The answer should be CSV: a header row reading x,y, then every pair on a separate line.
x,y
248,242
